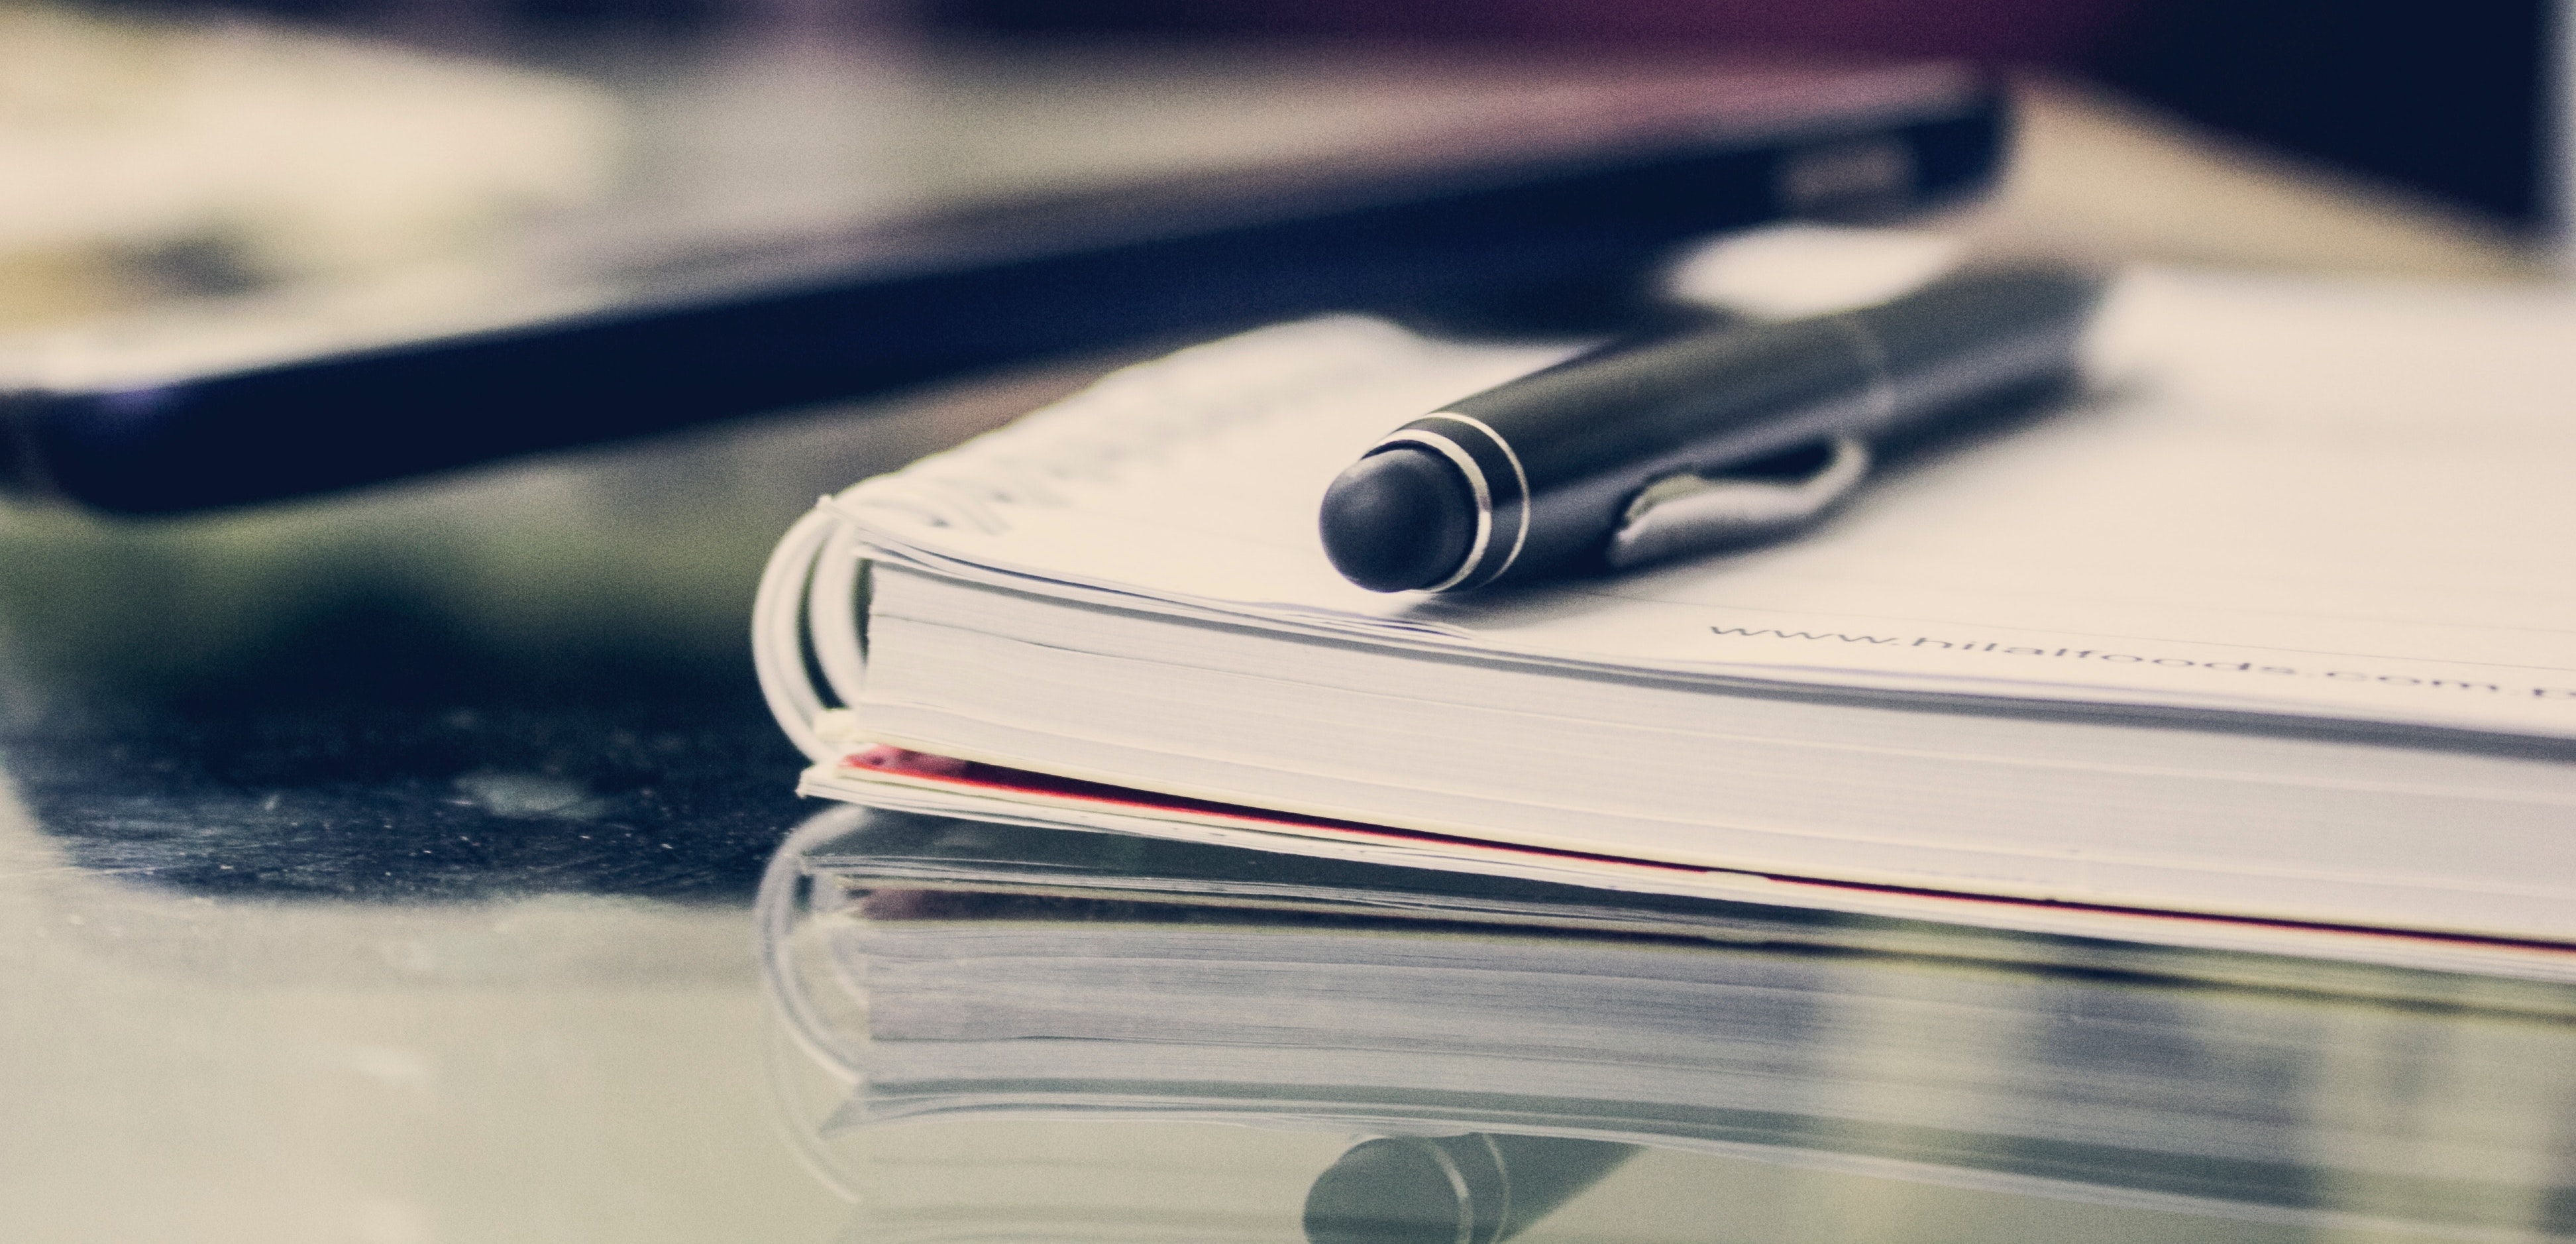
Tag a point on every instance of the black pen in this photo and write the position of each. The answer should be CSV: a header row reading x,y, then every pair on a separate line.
x,y
1708,436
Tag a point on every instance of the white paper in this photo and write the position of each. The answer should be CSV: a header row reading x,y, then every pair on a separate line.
x,y
2338,500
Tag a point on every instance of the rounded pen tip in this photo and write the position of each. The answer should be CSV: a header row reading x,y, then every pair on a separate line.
x,y
1399,519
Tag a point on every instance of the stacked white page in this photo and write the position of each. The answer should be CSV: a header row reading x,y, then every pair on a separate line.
x,y
2302,551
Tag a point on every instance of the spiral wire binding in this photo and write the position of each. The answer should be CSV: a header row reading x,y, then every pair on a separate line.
x,y
805,617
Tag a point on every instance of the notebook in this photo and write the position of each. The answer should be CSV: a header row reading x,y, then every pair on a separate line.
x,y
2270,626
956,971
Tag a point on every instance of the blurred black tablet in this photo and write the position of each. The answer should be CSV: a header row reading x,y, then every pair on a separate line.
x,y
785,227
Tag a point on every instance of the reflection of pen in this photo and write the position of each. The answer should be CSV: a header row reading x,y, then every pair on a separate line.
x,y
1478,1188
1706,436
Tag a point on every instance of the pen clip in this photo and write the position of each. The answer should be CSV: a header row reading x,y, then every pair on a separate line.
x,y
1687,512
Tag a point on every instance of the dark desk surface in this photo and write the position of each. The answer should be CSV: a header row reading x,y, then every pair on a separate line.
x,y
378,869
433,973
459,964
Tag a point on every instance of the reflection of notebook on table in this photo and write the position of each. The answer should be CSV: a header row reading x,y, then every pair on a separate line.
x,y
954,970
2271,627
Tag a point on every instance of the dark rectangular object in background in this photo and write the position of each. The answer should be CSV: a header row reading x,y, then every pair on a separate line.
x,y
2450,99
1562,178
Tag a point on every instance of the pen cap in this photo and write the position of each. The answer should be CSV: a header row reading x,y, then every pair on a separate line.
x,y
1557,455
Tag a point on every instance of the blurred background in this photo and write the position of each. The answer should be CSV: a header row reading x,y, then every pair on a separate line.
x,y
372,865
202,179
